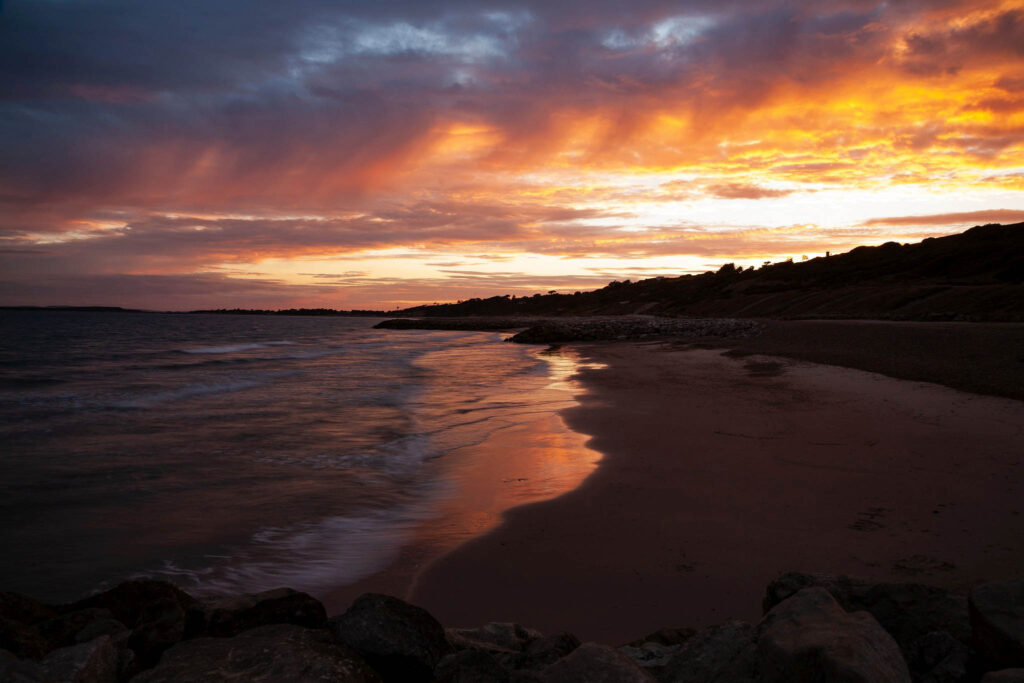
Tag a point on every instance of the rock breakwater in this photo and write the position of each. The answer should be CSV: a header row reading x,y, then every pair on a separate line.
x,y
816,627
596,328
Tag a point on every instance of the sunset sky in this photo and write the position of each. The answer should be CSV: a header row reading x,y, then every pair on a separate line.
x,y
226,153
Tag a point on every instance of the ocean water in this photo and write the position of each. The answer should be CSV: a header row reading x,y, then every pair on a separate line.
x,y
241,453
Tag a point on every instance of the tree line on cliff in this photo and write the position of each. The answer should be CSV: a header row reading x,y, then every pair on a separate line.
x,y
974,275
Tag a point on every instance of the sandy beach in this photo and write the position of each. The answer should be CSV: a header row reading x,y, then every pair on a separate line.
x,y
719,472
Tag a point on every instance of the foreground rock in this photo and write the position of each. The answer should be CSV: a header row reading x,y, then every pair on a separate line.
x,y
1004,676
269,653
997,615
593,663
908,611
719,654
809,637
233,615
817,628
401,641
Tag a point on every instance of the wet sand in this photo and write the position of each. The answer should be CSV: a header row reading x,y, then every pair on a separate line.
x,y
721,472
537,459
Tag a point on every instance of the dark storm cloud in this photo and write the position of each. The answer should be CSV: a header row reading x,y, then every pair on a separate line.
x,y
200,104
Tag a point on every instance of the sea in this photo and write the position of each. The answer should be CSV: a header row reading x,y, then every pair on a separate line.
x,y
239,453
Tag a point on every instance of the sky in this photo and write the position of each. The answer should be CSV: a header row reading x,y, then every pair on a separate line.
x,y
356,154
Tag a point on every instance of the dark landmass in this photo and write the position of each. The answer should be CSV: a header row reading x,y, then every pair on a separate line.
x,y
83,309
292,311
977,275
815,628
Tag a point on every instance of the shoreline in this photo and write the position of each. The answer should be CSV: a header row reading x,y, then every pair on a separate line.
x,y
721,473
484,480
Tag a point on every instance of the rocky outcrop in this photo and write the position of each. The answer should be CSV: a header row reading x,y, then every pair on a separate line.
x,y
230,616
997,615
92,662
907,611
154,611
401,641
818,628
593,663
561,330
479,324
595,328
809,637
1004,676
719,654
280,652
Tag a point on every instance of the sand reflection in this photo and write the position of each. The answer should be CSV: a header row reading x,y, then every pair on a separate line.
x,y
534,459
526,455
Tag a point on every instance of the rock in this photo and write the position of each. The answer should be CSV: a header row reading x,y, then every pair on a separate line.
x,y
91,623
92,662
401,641
997,615
130,601
593,663
666,636
21,640
23,610
907,611
546,650
567,329
1004,676
524,677
470,666
155,611
507,637
809,637
719,654
230,616
651,657
938,658
280,652
15,670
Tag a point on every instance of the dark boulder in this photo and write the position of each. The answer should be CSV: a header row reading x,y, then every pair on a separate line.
x,y
997,615
593,663
470,666
23,610
133,602
401,641
280,652
907,611
155,611
1004,676
938,658
230,616
79,626
504,636
16,670
92,662
546,650
21,640
809,638
719,654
